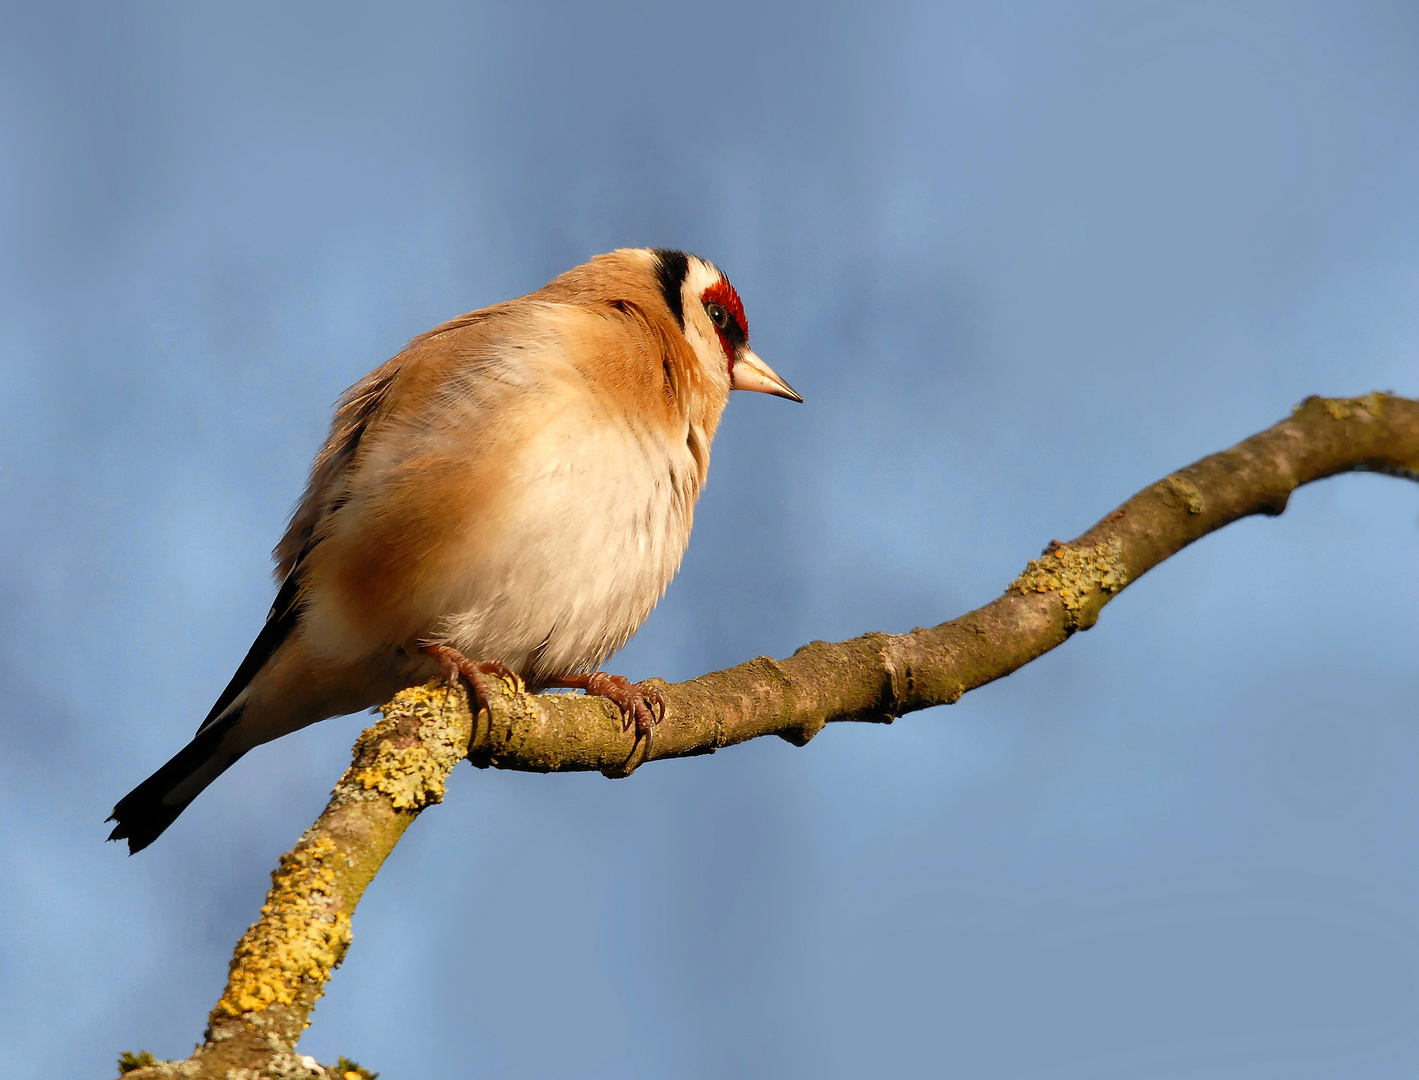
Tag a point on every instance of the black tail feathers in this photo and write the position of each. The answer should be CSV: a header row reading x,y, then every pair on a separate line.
x,y
152,806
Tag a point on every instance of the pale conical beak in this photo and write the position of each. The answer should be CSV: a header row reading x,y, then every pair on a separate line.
x,y
751,373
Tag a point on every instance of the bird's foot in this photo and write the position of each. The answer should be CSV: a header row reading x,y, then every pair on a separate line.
x,y
641,705
454,666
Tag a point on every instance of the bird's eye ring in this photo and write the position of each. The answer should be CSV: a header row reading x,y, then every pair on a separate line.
x,y
718,314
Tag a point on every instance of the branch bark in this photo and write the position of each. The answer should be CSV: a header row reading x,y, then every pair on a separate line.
x,y
400,764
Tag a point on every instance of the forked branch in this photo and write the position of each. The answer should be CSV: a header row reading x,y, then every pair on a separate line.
x,y
282,963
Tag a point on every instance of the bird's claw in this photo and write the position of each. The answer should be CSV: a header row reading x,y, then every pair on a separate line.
x,y
642,705
454,666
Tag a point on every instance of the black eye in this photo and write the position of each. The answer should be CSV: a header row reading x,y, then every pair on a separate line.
x,y
718,315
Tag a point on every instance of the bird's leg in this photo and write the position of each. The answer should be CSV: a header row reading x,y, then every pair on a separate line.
x,y
454,666
640,703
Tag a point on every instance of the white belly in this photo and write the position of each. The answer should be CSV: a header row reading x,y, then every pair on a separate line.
x,y
598,518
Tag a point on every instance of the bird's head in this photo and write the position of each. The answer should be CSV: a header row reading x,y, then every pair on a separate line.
x,y
711,316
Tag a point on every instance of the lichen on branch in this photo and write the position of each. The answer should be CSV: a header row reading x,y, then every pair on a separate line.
x,y
300,938
1073,573
284,960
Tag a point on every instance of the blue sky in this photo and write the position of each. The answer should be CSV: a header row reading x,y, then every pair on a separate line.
x,y
1020,259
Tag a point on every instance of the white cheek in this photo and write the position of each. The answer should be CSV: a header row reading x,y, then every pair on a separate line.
x,y
699,332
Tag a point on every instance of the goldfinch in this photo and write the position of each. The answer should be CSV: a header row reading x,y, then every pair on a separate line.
x,y
510,495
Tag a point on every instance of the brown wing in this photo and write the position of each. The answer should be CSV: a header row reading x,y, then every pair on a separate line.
x,y
357,410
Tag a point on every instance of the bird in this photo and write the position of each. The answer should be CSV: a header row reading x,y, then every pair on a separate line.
x,y
509,496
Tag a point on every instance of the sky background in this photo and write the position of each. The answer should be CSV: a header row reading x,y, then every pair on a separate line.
x,y
1020,259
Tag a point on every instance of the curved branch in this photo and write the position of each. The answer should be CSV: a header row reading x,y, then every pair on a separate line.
x,y
282,963
877,677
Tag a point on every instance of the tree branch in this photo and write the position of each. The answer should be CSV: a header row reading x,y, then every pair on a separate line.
x,y
282,963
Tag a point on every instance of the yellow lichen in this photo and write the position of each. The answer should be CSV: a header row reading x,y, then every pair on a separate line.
x,y
406,774
128,1061
1075,573
1345,408
1185,490
298,940
411,776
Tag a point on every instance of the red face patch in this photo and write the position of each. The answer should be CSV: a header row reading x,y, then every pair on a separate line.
x,y
726,312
